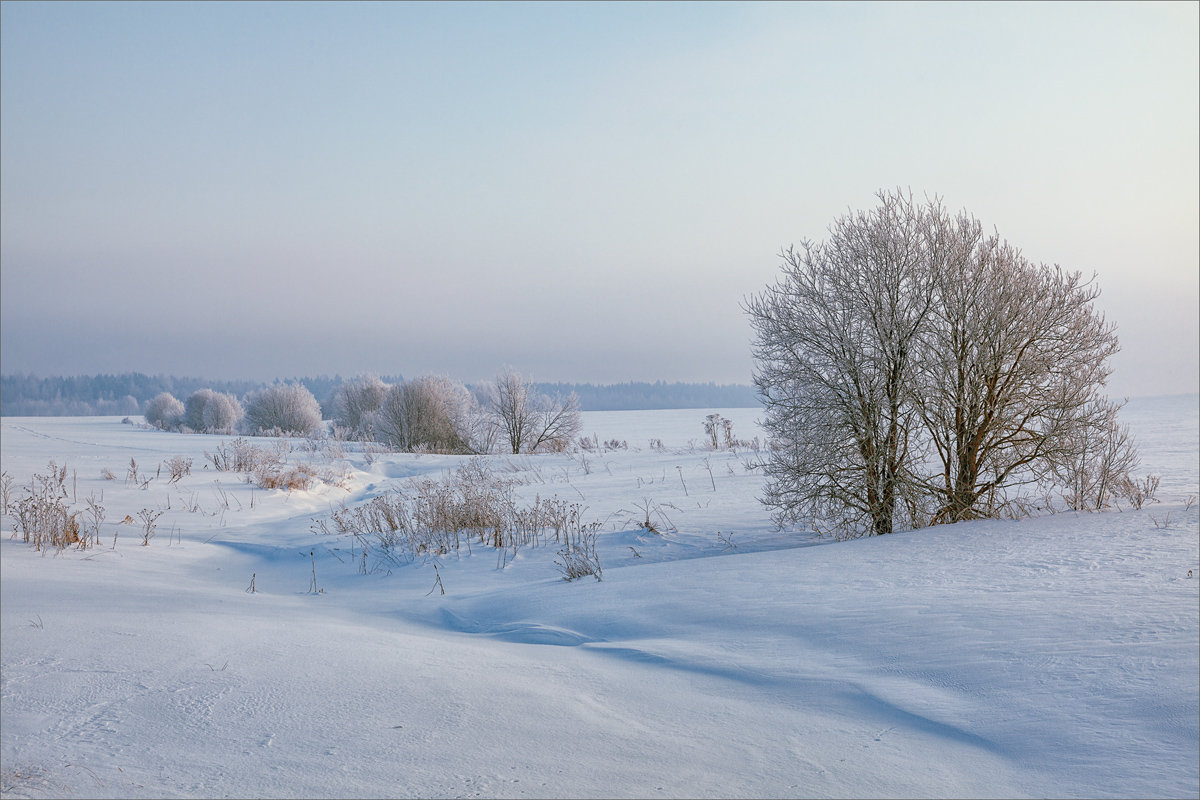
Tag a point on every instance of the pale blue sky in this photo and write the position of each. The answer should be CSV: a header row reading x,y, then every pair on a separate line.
x,y
584,191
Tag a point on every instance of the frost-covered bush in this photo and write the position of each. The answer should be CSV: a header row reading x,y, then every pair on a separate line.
x,y
287,408
427,413
241,456
1093,465
472,504
222,413
212,412
164,411
356,405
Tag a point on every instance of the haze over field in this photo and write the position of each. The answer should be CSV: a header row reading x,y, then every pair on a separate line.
x,y
585,191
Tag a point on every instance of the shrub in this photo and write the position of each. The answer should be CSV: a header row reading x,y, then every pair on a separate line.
x,y
212,412
718,429
356,406
278,476
222,413
428,413
164,411
179,468
1096,458
1138,492
241,456
583,560
43,518
287,408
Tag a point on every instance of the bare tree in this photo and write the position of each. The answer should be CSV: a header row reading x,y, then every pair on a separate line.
x,y
356,405
1013,357
835,348
530,422
512,407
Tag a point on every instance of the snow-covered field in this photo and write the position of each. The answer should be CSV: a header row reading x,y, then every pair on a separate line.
x,y
1057,656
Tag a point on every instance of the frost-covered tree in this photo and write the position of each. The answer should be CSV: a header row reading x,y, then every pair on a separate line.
x,y
835,349
356,405
164,411
1013,362
194,409
286,408
915,370
222,413
430,413
530,422
208,411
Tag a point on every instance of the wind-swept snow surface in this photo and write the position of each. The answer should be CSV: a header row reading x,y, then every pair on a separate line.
x,y
1056,656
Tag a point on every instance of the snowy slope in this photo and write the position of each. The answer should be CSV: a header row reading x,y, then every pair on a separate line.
x,y
1049,657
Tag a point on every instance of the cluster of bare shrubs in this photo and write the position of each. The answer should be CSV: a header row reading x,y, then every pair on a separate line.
x,y
241,455
300,476
719,431
1095,468
470,506
43,517
267,465
45,520
179,468
1139,492
580,560
591,444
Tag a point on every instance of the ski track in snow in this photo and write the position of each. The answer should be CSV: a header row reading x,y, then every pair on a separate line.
x,y
1056,656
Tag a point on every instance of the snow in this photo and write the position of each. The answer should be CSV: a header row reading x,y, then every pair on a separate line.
x,y
1057,656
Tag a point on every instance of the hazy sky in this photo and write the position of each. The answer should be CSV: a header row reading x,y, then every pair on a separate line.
x,y
584,191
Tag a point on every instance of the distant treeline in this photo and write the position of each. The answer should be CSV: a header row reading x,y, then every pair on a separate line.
x,y
87,395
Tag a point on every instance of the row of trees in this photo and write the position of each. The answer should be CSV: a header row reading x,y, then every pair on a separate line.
x,y
284,408
916,369
437,414
429,413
